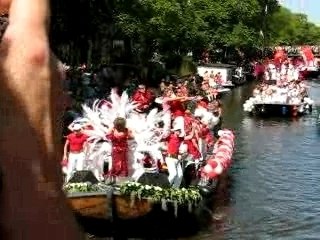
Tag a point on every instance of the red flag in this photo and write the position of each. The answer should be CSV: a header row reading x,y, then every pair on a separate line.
x,y
307,54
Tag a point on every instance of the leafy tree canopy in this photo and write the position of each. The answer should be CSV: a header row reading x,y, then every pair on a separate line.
x,y
173,27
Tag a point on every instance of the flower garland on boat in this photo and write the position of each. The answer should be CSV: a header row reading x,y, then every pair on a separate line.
x,y
136,190
158,194
84,187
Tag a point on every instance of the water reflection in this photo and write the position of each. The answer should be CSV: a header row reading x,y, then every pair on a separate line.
x,y
274,190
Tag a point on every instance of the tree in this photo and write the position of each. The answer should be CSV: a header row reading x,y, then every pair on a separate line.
x,y
288,28
171,28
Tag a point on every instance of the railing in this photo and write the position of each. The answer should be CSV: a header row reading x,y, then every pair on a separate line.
x,y
296,49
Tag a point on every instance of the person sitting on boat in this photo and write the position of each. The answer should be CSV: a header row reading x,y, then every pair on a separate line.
x,y
206,76
212,74
174,142
204,134
119,136
143,97
218,78
212,83
76,144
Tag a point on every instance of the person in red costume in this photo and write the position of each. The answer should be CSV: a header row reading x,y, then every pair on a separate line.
x,y
143,97
279,57
206,139
308,56
119,136
218,78
191,140
76,143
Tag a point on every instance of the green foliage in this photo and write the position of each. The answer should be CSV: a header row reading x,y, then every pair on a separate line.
x,y
84,187
173,27
292,29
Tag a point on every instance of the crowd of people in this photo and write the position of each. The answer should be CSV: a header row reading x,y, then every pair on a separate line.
x,y
288,92
184,127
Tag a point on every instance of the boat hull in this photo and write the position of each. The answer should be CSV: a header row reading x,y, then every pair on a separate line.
x,y
117,215
101,206
311,74
278,110
238,81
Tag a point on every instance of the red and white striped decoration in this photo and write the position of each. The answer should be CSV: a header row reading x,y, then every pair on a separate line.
x,y
222,158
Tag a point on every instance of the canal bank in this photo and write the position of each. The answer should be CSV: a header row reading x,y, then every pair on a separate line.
x,y
273,189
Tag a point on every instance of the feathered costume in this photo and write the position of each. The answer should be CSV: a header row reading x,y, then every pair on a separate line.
x,y
147,133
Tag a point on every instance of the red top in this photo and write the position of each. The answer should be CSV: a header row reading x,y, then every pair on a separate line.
x,y
143,99
76,141
174,143
176,108
119,142
207,135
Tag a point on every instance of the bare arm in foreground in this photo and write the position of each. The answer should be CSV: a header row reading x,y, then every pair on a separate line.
x,y
32,204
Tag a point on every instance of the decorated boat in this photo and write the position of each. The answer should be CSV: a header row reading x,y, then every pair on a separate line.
x,y
222,75
304,57
275,101
147,191
137,201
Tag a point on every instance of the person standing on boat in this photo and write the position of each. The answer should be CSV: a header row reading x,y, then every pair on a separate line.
x,y
143,97
119,136
76,143
308,57
192,139
174,142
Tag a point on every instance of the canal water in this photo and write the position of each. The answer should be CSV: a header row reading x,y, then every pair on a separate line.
x,y
274,186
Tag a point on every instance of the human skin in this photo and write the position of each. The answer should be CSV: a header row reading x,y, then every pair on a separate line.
x,y
32,202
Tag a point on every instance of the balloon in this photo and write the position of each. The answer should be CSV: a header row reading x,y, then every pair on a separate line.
x,y
223,162
213,175
219,169
225,148
212,162
207,169
222,155
224,152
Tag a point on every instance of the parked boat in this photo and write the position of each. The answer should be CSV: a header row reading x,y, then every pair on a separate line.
x,y
230,75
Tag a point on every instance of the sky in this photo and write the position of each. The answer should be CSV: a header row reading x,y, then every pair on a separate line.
x,y
309,7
